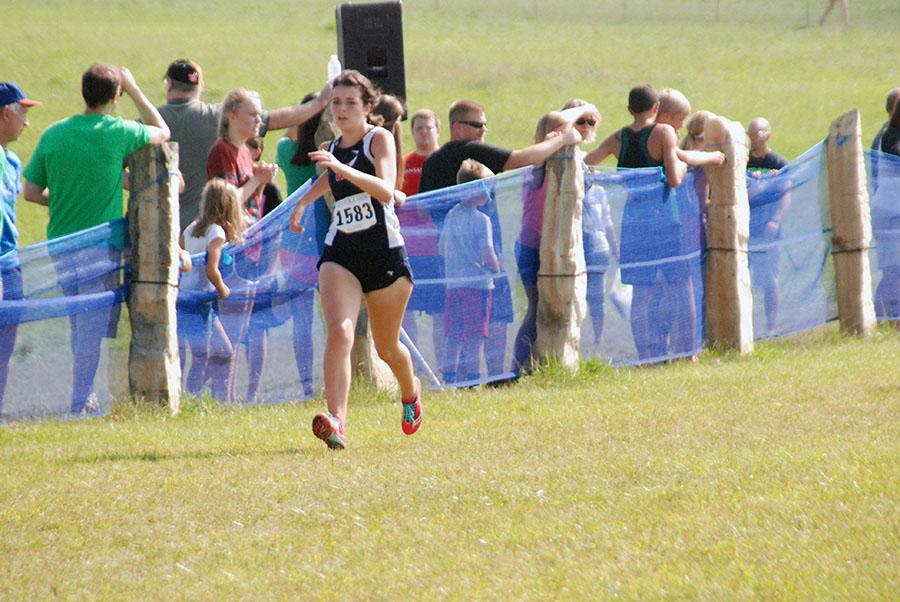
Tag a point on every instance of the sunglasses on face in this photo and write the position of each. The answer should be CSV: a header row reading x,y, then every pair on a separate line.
x,y
474,124
586,121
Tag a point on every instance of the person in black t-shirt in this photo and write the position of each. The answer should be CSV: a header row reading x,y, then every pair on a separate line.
x,y
770,199
892,97
761,156
886,222
468,126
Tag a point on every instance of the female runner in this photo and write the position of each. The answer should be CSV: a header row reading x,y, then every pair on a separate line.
x,y
364,257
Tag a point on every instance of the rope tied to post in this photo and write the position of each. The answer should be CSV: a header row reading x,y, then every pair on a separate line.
x,y
170,173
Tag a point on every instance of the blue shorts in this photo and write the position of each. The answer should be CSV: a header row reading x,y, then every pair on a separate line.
x,y
12,291
652,235
12,284
654,250
528,260
596,264
501,301
427,296
196,317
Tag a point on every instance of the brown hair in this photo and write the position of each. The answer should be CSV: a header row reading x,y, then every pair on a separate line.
x,y
895,115
642,98
354,79
220,204
548,123
471,170
387,113
424,114
231,103
100,84
306,134
892,98
461,108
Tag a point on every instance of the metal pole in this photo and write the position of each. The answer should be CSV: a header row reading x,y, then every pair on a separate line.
x,y
404,338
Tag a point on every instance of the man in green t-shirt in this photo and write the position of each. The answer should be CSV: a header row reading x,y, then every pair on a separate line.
x,y
76,171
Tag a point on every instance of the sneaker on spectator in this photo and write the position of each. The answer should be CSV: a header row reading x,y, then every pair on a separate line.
x,y
412,411
91,407
330,429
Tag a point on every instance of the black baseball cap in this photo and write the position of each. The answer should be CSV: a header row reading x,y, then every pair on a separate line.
x,y
185,71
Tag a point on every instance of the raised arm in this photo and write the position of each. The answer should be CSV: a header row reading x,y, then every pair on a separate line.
x,y
290,116
381,185
149,115
610,146
540,152
263,173
698,158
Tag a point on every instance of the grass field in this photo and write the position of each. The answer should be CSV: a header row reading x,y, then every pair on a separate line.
x,y
772,477
520,58
768,476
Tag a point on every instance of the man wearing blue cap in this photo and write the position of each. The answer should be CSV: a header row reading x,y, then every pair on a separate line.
x,y
13,119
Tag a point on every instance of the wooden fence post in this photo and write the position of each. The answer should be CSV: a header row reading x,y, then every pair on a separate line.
x,y
851,224
727,294
154,372
562,279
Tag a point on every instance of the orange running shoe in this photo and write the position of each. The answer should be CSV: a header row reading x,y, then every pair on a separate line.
x,y
412,411
330,429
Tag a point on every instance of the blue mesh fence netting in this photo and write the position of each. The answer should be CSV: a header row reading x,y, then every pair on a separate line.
x,y
790,242
885,255
457,295
644,249
63,347
264,342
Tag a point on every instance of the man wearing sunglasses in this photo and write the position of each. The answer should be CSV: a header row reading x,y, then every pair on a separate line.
x,y
468,126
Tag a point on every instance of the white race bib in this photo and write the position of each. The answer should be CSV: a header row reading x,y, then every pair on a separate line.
x,y
354,213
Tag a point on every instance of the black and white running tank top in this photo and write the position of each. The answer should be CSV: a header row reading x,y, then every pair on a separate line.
x,y
357,220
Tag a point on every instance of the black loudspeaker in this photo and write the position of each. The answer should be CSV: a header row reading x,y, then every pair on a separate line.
x,y
370,40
